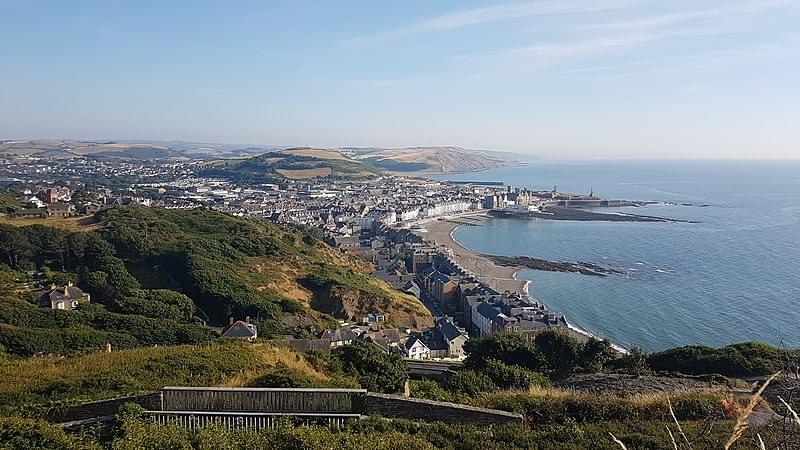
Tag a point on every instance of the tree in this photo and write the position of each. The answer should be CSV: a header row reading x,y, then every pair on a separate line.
x,y
509,348
595,354
374,369
635,362
559,350
16,247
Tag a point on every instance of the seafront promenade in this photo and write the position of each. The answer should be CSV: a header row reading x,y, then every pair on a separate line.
x,y
499,278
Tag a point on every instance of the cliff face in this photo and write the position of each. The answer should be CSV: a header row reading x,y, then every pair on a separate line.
x,y
350,304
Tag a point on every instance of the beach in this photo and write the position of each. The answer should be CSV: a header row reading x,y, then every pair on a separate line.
x,y
499,278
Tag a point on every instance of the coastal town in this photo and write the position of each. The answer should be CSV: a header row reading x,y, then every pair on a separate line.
x,y
401,225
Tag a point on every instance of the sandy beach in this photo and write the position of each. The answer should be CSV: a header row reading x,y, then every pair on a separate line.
x,y
497,277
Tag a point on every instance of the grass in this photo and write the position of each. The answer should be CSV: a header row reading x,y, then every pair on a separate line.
x,y
300,174
315,153
29,385
86,223
549,405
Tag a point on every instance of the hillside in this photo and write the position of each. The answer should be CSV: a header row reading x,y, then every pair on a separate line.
x,y
432,160
293,163
65,149
286,280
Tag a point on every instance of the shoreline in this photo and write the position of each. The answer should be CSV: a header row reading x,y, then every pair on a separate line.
x,y
499,278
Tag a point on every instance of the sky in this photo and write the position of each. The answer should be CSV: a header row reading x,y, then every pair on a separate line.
x,y
555,78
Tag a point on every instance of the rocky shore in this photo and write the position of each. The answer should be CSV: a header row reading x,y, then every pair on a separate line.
x,y
581,267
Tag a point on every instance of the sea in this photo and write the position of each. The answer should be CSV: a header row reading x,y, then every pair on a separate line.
x,y
733,276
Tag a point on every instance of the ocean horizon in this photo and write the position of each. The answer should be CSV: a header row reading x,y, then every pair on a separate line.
x,y
731,277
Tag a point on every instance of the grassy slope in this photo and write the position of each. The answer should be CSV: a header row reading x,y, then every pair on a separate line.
x,y
298,163
64,381
68,224
153,234
352,275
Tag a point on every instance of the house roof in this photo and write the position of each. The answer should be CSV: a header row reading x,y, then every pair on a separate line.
x,y
448,329
487,310
340,335
240,329
392,335
65,293
411,341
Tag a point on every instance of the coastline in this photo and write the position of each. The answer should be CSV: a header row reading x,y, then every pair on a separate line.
x,y
500,278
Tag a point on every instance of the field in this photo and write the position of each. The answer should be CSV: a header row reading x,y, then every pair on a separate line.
x,y
315,153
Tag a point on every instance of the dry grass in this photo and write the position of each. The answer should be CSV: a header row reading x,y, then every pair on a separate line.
x,y
15,374
301,174
86,223
677,424
793,413
741,424
278,276
618,442
272,356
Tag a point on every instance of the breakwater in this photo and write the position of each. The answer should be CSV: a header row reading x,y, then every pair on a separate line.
x,y
582,215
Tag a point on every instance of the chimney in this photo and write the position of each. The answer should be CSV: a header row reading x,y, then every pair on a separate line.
x,y
230,320
69,283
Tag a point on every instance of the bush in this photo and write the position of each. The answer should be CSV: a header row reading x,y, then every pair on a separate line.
x,y
25,434
375,370
470,382
158,304
737,360
30,330
513,377
283,377
509,348
549,407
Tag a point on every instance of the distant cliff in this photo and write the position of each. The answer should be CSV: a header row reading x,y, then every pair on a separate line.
x,y
432,160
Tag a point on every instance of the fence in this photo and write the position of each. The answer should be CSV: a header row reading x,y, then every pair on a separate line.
x,y
198,419
264,400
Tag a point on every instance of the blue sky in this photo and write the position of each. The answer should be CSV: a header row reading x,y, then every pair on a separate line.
x,y
560,78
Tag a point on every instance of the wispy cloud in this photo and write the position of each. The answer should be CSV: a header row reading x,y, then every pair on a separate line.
x,y
733,9
489,14
508,11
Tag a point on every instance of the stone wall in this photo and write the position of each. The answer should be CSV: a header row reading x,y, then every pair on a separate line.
x,y
103,408
397,407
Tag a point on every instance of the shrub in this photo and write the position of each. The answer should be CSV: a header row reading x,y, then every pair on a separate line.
x,y
375,370
513,377
509,348
552,406
25,434
737,360
470,382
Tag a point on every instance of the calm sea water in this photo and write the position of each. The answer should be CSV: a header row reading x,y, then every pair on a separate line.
x,y
733,277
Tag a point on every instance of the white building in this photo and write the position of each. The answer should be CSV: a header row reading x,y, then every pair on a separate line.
x,y
441,209
416,349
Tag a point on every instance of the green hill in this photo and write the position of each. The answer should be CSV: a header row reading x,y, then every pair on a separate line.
x,y
294,163
149,271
